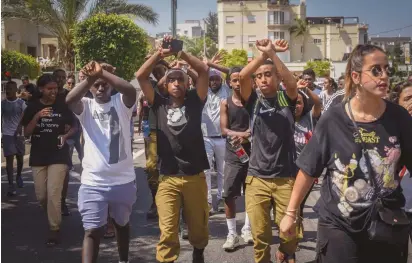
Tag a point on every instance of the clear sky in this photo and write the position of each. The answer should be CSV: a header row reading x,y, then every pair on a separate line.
x,y
381,15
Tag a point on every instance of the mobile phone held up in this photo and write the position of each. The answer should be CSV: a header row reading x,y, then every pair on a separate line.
x,y
176,45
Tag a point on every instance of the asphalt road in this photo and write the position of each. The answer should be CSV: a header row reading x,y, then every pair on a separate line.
x,y
24,227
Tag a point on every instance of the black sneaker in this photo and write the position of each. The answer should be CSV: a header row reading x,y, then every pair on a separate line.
x,y
11,191
198,256
19,182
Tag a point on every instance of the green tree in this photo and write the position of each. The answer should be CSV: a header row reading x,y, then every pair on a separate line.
x,y
60,17
238,57
19,64
195,46
300,29
321,67
212,26
113,38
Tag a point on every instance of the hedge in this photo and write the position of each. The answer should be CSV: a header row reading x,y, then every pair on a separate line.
x,y
19,64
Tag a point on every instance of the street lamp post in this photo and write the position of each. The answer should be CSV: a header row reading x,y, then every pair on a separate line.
x,y
174,7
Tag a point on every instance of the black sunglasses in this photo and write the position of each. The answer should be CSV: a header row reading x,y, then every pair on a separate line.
x,y
377,71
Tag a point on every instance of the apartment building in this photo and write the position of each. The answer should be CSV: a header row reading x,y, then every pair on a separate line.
x,y
190,29
23,36
241,23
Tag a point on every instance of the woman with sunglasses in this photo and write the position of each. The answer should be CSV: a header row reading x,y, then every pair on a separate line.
x,y
362,143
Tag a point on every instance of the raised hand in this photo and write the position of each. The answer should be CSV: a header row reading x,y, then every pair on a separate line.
x,y
92,69
280,45
108,67
302,84
217,58
264,45
165,52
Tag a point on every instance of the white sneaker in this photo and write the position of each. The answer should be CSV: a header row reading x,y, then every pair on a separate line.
x,y
247,236
231,243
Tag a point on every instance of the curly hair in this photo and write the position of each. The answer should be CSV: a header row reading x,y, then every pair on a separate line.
x,y
398,89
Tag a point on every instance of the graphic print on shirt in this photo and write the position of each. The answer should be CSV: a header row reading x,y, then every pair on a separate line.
x,y
110,121
176,116
47,125
356,192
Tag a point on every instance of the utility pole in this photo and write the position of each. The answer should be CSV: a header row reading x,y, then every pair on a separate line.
x,y
241,34
174,7
204,37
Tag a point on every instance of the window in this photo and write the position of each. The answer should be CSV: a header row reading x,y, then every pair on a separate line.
x,y
251,19
230,39
278,18
276,35
230,20
251,39
32,51
317,41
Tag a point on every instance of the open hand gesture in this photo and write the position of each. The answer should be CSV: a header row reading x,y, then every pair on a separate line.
x,y
264,45
280,45
92,69
302,84
217,58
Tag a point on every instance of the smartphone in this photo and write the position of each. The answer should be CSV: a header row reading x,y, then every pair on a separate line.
x,y
176,45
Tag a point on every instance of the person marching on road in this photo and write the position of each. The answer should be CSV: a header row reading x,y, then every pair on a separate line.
x,y
272,168
181,153
45,120
108,178
12,109
214,142
234,121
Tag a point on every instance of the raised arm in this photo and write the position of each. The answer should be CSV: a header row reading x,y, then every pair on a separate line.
x,y
143,74
287,77
122,86
202,83
215,63
317,107
245,76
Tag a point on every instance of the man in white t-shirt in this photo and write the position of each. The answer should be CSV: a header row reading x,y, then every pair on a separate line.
x,y
108,178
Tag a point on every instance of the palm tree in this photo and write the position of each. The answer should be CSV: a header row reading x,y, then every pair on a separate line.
x,y
300,28
61,16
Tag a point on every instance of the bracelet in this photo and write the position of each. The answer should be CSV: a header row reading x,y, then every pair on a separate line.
x,y
291,210
293,217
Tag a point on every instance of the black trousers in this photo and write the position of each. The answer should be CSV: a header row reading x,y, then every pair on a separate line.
x,y
334,245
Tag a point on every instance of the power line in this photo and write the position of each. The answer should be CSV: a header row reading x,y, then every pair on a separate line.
x,y
388,31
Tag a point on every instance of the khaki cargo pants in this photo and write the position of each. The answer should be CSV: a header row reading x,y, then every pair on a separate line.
x,y
151,161
173,193
48,185
261,194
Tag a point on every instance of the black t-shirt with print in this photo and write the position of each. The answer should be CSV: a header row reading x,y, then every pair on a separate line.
x,y
273,151
44,140
303,131
346,190
181,149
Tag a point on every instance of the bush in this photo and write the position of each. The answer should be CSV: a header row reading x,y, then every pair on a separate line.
x,y
113,38
19,64
320,67
238,57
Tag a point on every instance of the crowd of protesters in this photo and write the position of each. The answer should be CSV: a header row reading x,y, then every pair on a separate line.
x,y
264,132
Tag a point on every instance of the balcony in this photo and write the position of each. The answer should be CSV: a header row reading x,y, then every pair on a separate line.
x,y
276,3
